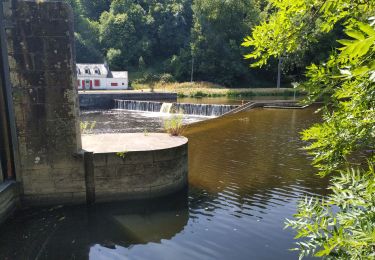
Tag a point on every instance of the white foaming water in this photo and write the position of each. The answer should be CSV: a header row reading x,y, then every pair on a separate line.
x,y
211,110
166,108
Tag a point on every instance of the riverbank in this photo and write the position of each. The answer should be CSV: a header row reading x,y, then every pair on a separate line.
x,y
207,89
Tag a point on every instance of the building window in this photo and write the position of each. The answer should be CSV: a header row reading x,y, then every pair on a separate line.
x,y
87,71
114,84
97,83
97,71
78,71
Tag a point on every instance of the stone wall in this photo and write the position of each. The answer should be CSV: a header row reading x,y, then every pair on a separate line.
x,y
9,199
105,100
141,174
42,72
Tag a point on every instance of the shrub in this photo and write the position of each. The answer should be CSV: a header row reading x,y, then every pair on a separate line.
x,y
166,78
174,125
199,94
87,126
342,225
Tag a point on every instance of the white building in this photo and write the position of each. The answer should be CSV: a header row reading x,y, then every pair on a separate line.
x,y
98,76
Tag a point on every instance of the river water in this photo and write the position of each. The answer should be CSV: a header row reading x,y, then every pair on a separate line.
x,y
246,173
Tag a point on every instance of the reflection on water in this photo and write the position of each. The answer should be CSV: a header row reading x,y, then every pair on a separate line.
x,y
246,173
97,232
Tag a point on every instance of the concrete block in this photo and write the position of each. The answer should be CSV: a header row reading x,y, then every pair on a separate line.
x,y
139,157
107,173
115,159
126,170
100,159
69,185
165,155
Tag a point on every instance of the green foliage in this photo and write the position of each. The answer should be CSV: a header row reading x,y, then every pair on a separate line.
x,y
145,31
164,36
86,34
93,8
87,127
166,78
341,226
218,29
141,63
295,24
114,58
346,79
174,125
122,154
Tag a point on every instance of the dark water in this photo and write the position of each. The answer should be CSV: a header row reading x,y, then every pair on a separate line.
x,y
246,173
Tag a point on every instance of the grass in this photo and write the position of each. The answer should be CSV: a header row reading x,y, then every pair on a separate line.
x,y
174,125
207,89
87,126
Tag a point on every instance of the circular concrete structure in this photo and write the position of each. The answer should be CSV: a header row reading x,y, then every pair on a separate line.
x,y
137,165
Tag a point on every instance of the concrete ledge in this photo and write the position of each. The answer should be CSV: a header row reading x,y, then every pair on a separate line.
x,y
9,199
105,99
135,166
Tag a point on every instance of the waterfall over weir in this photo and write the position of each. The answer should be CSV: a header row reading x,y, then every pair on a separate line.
x,y
166,107
185,108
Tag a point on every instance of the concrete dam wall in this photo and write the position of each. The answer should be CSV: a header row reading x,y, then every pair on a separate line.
x,y
106,99
52,168
184,108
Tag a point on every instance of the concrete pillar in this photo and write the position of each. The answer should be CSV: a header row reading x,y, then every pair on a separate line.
x,y
42,72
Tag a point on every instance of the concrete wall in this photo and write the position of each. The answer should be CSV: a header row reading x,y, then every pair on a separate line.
x,y
144,174
9,199
105,100
43,75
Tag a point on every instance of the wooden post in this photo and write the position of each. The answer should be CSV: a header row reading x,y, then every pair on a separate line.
x,y
279,73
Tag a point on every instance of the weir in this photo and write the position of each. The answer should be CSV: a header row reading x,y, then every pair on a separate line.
x,y
185,108
166,108
40,99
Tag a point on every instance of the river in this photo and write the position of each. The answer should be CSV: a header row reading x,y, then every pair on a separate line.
x,y
246,174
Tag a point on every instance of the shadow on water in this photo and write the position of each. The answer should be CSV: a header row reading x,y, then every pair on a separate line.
x,y
80,232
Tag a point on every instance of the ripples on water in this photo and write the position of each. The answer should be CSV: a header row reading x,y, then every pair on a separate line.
x,y
246,173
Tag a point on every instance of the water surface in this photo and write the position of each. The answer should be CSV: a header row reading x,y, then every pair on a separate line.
x,y
232,100
246,173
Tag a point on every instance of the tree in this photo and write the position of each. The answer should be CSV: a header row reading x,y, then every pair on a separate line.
x,y
92,9
86,35
126,31
343,224
170,29
215,40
